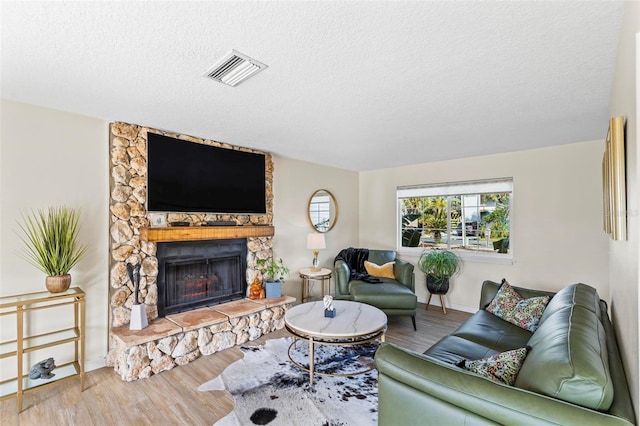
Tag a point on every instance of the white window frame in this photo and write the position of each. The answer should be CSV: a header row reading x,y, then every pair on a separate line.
x,y
453,189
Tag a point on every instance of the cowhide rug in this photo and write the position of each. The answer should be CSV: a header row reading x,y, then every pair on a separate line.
x,y
269,389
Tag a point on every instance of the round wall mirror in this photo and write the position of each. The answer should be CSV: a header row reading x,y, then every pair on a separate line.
x,y
322,210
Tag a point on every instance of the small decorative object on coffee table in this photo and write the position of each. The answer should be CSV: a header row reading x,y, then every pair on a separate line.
x,y
359,323
329,310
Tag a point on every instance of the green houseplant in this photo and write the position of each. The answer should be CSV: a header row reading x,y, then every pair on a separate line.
x,y
273,273
438,266
51,244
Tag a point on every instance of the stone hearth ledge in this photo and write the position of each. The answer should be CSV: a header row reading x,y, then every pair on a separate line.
x,y
181,338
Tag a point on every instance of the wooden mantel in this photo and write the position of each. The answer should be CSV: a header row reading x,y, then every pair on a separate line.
x,y
196,233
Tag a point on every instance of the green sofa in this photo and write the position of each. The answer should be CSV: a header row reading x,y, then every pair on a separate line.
x,y
392,296
573,373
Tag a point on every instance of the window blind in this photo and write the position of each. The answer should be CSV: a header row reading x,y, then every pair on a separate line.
x,y
456,188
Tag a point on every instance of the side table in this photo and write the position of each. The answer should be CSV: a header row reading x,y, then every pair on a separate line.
x,y
18,309
323,275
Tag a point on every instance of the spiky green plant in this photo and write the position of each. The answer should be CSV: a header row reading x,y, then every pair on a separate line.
x,y
51,240
440,264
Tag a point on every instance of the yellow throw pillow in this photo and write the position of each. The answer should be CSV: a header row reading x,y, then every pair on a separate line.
x,y
381,271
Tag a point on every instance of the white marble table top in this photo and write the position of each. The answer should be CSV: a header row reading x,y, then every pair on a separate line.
x,y
352,319
309,273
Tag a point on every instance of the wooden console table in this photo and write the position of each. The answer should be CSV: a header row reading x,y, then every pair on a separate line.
x,y
20,306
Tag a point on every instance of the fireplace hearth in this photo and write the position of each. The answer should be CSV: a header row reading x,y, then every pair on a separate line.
x,y
194,274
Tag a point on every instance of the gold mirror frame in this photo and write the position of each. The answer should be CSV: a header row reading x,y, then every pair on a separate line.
x,y
614,181
322,211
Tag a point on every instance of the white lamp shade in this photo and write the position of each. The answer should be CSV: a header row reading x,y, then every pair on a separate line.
x,y
315,241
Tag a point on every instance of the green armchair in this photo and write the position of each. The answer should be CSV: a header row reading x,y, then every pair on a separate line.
x,y
392,296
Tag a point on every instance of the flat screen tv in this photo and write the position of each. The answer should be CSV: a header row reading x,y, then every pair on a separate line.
x,y
190,177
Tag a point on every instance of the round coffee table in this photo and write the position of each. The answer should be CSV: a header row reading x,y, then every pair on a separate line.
x,y
355,323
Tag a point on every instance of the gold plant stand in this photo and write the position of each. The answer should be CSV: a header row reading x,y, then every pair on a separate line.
x,y
20,306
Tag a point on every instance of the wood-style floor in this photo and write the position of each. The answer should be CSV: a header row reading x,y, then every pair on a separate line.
x,y
172,398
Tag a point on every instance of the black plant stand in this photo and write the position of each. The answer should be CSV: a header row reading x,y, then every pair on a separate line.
x,y
444,310
439,287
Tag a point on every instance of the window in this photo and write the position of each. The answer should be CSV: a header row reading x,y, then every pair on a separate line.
x,y
466,217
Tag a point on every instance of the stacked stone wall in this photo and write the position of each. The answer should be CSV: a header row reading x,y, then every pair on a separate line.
x,y
146,359
128,188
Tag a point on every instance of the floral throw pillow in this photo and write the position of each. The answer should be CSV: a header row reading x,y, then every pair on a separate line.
x,y
511,307
501,368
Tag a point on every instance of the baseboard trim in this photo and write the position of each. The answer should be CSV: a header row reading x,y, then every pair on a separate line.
x,y
95,364
435,301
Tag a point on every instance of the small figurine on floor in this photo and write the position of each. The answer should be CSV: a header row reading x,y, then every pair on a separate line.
x,y
42,370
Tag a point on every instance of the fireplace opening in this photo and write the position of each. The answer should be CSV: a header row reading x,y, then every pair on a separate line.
x,y
192,275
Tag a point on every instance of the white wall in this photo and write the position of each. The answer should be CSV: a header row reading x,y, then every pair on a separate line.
x,y
624,256
54,158
293,182
557,236
51,157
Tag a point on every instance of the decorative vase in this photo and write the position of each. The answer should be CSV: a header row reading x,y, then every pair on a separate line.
x,y
437,285
58,283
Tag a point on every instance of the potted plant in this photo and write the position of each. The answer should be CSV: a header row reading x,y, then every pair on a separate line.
x,y
51,244
438,266
273,273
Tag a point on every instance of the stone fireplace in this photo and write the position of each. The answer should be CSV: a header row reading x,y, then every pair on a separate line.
x,y
134,241
194,274
204,309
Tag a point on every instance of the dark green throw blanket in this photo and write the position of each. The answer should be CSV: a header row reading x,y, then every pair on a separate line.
x,y
354,258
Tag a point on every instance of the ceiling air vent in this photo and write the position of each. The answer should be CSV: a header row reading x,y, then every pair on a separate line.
x,y
234,68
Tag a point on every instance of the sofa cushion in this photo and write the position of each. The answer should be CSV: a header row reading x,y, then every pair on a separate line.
x,y
389,294
380,257
511,307
488,330
502,367
453,349
380,271
569,359
575,294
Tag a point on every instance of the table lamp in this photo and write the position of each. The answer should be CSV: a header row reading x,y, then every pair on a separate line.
x,y
315,242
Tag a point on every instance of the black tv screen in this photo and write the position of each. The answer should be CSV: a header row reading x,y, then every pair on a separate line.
x,y
184,176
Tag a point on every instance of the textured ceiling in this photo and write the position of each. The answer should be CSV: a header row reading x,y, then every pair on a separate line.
x,y
356,85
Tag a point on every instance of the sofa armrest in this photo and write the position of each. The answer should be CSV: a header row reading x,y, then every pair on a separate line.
x,y
342,275
404,274
468,394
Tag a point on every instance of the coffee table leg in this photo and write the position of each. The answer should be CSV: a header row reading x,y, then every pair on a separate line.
x,y
310,361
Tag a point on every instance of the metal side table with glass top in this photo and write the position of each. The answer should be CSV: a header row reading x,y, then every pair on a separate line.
x,y
308,275
26,346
